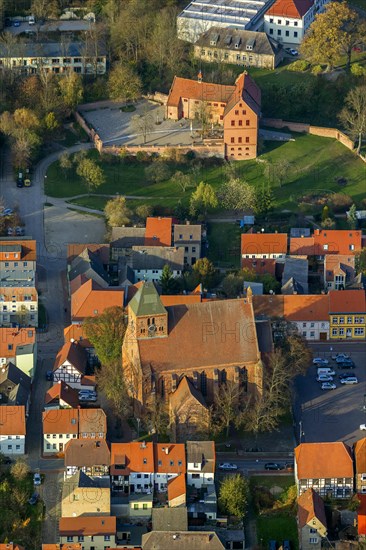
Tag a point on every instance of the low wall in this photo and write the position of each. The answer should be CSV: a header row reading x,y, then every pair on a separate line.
x,y
332,133
200,150
91,133
279,123
159,97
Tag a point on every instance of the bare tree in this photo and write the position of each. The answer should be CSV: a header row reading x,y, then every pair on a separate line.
x,y
228,407
143,123
353,116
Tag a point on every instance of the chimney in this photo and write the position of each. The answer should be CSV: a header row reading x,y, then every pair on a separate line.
x,y
199,77
166,450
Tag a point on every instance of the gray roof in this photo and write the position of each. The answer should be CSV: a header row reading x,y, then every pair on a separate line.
x,y
89,264
147,301
187,233
202,452
156,257
181,540
15,375
17,278
27,349
10,247
259,42
170,519
295,275
81,480
20,384
300,232
264,335
141,497
49,49
127,237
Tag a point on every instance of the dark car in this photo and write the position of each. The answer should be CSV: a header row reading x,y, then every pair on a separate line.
x,y
344,375
346,364
33,499
272,545
289,467
286,545
273,466
16,23
20,180
49,375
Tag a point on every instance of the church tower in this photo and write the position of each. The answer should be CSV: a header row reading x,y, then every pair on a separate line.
x,y
147,317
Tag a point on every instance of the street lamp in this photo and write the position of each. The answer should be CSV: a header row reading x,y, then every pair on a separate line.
x,y
138,420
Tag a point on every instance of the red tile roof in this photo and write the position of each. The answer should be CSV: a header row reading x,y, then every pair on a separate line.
x,y
360,455
168,456
90,300
246,90
361,515
347,301
60,421
100,250
12,420
15,337
264,243
28,253
136,456
259,265
176,487
335,264
67,546
192,89
158,232
74,354
176,300
87,453
62,392
76,333
11,546
87,526
294,9
92,421
312,307
335,242
323,460
302,246
310,506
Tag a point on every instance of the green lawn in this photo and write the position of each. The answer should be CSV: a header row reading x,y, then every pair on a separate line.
x,y
315,164
224,244
269,481
277,527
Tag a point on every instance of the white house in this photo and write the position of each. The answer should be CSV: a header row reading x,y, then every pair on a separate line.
x,y
70,364
170,461
59,427
201,458
12,429
147,262
288,20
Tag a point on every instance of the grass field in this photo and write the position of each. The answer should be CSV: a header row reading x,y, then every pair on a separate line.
x,y
277,527
269,481
224,244
315,165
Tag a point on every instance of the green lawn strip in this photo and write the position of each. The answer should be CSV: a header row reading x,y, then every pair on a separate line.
x,y
268,481
224,244
277,527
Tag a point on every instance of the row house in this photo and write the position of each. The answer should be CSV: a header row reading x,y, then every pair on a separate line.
x,y
140,467
91,456
62,425
70,364
359,450
61,396
327,241
12,429
339,271
83,495
311,520
201,463
146,263
92,532
325,467
19,346
90,300
263,246
347,314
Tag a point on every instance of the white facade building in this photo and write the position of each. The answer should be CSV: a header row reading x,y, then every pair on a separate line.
x,y
200,463
12,429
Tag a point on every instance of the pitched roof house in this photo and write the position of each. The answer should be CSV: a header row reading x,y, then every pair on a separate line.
x,y
158,231
170,519
326,467
88,265
101,528
85,496
361,518
12,429
59,426
311,520
201,463
327,241
189,414
264,246
359,451
181,540
177,491
132,467
61,396
347,314
15,386
295,275
89,455
92,424
339,271
90,300
70,364
12,340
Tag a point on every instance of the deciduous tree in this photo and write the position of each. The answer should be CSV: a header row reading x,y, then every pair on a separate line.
x,y
353,115
360,261
237,195
233,495
91,173
202,200
117,212
276,172
71,90
65,162
205,271
144,211
124,84
106,332
20,469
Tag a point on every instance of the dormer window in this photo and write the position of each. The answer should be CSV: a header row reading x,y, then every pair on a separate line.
x,y
145,460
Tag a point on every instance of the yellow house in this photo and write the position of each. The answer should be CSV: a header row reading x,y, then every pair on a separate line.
x,y
347,314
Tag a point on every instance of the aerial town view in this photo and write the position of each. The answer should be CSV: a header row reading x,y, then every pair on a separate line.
x,y
182,274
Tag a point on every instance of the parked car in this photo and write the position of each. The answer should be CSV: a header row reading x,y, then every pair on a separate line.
x,y
272,545
20,182
340,356
320,361
324,378
228,466
362,426
16,23
31,20
27,182
328,386
37,479
346,364
289,467
89,393
7,212
10,231
33,499
344,375
349,380
49,375
85,397
326,370
273,466
20,231
286,545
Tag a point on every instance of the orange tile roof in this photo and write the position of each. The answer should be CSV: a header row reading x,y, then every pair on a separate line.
x,y
73,353
245,90
76,333
176,487
90,300
334,264
170,300
323,460
294,9
19,293
77,282
60,421
11,546
312,307
136,456
12,420
62,392
92,421
88,526
259,265
264,243
310,506
192,89
360,455
67,546
15,337
29,249
361,515
100,250
165,454
302,246
336,242
158,232
347,301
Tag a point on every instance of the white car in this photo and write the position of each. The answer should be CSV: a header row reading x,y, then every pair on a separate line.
x,y
340,356
324,378
363,427
328,386
228,466
85,397
350,380
320,361
37,479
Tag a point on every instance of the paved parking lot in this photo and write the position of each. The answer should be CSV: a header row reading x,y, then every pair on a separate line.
x,y
116,127
332,415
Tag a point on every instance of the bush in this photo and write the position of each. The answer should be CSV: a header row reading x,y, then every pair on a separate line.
x,y
340,202
300,65
190,155
142,156
317,69
358,70
263,499
158,172
108,158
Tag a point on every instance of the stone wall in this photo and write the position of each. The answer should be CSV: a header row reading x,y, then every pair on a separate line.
x,y
200,150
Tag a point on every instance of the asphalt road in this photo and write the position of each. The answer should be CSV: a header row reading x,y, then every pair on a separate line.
x,y
333,415
52,26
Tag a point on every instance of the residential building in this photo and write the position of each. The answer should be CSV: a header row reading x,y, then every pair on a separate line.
x,y
15,386
11,545
12,429
201,463
13,338
188,412
90,300
180,540
325,467
158,231
70,364
347,314
177,491
61,396
311,520
170,462
359,451
295,275
100,251
170,519
18,294
124,238
85,496
260,266
339,271
87,265
235,108
140,506
57,546
92,424
59,427
188,236
94,532
55,57
245,48
132,467
288,20
200,16
157,352
361,518
327,241
76,333
88,455
147,263
264,246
